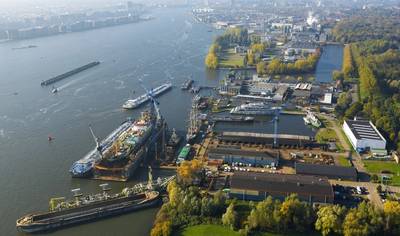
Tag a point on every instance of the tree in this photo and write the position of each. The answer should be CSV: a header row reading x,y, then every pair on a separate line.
x,y
362,221
353,110
173,193
330,219
337,75
230,216
296,215
391,210
265,215
189,171
162,229
211,60
261,68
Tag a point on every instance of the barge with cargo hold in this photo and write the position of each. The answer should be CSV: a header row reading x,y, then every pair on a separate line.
x,y
69,73
86,208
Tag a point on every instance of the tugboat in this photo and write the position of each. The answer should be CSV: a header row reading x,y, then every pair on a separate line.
x,y
187,84
54,90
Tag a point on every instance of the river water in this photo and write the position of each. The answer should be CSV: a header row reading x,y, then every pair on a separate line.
x,y
330,60
170,47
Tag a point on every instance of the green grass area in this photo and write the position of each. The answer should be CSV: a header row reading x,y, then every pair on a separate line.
x,y
343,161
230,59
376,167
206,230
324,135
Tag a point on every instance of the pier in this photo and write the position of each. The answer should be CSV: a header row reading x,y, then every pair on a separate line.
x,y
69,73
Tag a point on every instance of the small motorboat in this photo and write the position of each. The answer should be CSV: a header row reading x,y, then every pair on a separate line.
x,y
54,90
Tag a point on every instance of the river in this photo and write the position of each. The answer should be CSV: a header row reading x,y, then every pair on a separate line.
x,y
330,60
170,47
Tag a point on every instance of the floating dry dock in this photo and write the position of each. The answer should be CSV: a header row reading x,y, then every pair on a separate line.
x,y
69,73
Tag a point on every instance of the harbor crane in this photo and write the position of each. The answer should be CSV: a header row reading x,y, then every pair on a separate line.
x,y
277,112
97,141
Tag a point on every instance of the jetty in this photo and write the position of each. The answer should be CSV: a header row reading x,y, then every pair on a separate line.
x,y
69,73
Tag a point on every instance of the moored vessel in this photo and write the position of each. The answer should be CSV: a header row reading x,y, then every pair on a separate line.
x,y
134,103
187,84
258,108
84,166
311,119
85,208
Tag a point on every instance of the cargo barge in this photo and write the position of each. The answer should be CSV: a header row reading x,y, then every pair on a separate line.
x,y
69,73
86,208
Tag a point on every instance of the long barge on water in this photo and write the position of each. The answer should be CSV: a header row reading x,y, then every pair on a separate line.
x,y
69,73
86,208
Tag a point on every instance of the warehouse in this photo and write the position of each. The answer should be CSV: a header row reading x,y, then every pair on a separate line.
x,y
255,158
330,171
363,135
258,186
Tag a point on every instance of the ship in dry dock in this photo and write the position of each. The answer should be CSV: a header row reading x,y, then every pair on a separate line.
x,y
126,153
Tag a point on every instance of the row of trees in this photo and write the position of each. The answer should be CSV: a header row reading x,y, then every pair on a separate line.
x,y
293,215
188,206
255,53
348,66
374,57
276,67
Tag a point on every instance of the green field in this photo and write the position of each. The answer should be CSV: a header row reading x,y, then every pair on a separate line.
x,y
230,59
376,167
325,134
343,161
206,230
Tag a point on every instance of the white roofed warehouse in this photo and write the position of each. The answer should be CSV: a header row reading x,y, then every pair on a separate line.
x,y
363,135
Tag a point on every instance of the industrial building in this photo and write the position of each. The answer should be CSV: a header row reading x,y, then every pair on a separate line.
x,y
329,171
234,155
268,139
363,135
258,186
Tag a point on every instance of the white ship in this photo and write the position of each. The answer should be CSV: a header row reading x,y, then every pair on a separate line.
x,y
258,108
311,119
134,103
